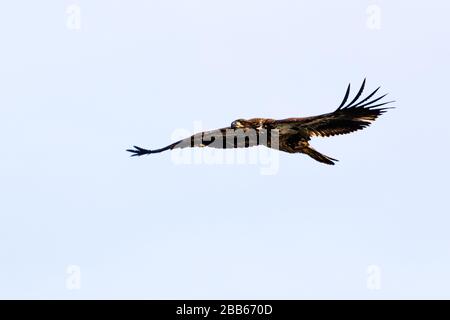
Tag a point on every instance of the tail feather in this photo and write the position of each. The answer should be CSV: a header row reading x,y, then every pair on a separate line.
x,y
318,156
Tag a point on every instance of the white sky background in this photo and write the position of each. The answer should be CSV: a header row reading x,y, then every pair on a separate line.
x,y
71,102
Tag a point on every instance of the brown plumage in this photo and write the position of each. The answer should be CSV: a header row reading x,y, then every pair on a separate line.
x,y
291,135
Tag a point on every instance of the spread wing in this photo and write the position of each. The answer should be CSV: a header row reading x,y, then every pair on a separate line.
x,y
345,119
225,138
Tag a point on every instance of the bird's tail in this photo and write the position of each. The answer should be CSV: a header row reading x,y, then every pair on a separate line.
x,y
318,156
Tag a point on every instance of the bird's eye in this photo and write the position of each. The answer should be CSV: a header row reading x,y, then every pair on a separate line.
x,y
235,124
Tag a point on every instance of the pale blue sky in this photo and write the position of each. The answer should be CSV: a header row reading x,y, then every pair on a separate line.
x,y
71,102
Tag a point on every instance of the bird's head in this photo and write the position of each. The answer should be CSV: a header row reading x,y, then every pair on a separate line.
x,y
240,123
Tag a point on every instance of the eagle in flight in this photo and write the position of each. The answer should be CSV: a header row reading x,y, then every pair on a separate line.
x,y
290,135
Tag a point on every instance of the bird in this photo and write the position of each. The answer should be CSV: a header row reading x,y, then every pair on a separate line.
x,y
291,135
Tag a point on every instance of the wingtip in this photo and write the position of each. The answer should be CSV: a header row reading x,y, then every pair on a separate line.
x,y
347,93
138,151
134,153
